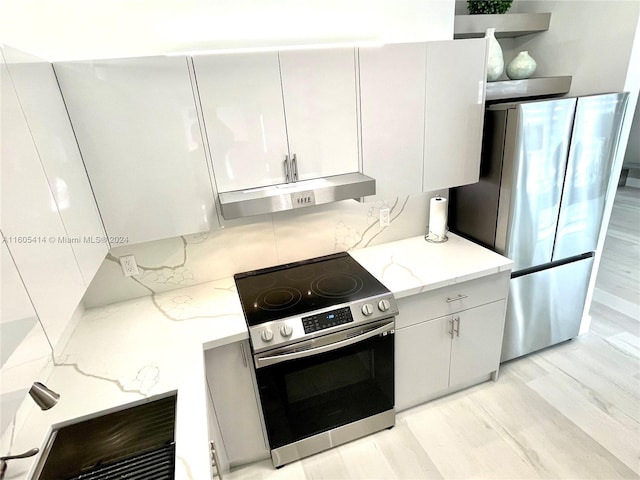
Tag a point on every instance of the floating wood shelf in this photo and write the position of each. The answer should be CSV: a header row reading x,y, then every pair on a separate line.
x,y
528,89
507,25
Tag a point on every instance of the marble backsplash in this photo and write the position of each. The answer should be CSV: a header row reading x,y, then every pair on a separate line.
x,y
256,242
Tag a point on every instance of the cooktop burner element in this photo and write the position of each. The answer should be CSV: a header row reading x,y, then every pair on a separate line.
x,y
336,285
286,303
279,298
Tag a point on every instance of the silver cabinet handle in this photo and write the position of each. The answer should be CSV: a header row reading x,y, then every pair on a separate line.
x,y
287,173
451,330
214,460
244,355
294,168
457,297
457,328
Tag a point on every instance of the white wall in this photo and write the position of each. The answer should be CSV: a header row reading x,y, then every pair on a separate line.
x,y
80,29
588,39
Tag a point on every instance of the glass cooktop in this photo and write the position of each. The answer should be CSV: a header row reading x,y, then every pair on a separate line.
x,y
297,288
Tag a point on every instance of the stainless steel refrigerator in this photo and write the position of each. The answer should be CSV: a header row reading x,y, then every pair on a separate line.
x,y
545,171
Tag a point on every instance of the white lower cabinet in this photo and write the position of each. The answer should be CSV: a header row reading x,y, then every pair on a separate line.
x,y
421,362
238,421
476,342
435,356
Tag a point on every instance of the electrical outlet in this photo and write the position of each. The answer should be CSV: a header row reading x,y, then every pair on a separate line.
x,y
385,217
129,265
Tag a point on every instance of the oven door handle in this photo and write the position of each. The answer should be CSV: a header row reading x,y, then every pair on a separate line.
x,y
283,357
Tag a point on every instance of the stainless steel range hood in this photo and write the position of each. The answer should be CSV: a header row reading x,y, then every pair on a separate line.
x,y
287,196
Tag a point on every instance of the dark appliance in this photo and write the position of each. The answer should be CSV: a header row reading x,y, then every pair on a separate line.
x,y
135,442
321,332
545,176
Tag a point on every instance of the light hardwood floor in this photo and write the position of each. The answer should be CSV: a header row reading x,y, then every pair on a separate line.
x,y
569,412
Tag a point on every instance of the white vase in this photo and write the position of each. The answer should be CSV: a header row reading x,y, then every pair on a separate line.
x,y
521,67
495,61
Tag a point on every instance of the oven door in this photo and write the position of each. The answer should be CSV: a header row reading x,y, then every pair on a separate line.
x,y
327,382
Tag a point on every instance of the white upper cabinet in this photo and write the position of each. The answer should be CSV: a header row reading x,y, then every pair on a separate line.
x,y
31,222
45,112
138,131
261,108
392,90
320,98
455,93
422,110
241,99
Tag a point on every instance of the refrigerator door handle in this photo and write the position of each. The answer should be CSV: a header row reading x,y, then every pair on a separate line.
x,y
547,266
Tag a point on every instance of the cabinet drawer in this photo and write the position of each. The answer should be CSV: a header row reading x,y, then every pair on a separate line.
x,y
452,299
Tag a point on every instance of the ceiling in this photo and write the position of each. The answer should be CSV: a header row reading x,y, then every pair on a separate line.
x,y
81,29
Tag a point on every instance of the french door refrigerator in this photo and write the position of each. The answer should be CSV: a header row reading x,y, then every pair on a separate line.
x,y
544,176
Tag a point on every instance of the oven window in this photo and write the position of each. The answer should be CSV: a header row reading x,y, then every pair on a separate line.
x,y
317,380
301,398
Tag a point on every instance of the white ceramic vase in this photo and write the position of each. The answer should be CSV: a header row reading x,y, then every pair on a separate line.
x,y
521,67
495,62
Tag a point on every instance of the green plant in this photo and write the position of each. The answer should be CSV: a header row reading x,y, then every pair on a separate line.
x,y
488,6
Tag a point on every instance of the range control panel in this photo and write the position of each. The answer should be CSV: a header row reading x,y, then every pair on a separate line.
x,y
286,331
320,321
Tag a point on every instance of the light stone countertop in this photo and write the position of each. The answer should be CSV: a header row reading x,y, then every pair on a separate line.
x,y
411,266
129,351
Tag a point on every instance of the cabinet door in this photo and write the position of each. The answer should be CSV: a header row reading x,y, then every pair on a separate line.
x,y
241,99
475,350
138,131
46,115
455,92
421,361
235,402
24,349
392,92
31,223
319,88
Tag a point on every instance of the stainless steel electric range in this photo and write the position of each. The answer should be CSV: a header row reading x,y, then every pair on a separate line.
x,y
321,332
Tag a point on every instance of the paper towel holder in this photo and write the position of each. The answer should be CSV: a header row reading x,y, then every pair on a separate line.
x,y
435,238
437,204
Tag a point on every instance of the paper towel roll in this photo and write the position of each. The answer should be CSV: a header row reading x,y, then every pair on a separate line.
x,y
437,219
